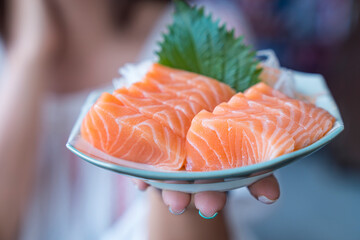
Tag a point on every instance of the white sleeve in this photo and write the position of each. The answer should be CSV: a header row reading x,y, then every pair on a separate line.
x,y
132,225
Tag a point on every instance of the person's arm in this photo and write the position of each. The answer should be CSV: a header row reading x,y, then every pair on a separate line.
x,y
22,89
20,100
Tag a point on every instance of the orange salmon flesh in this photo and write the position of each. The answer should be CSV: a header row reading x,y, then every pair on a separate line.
x,y
175,119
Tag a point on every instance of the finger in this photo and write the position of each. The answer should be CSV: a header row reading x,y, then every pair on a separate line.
x,y
141,185
176,201
209,203
266,190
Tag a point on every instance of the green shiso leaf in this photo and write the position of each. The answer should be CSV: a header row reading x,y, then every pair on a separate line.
x,y
196,43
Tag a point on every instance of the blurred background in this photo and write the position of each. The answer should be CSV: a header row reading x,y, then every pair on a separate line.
x,y
320,195
319,37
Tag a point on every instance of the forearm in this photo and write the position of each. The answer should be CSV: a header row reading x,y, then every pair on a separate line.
x,y
21,94
189,225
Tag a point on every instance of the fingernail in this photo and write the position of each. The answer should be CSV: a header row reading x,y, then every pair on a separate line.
x,y
176,212
203,216
265,200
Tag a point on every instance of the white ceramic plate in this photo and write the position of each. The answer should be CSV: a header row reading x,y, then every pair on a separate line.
x,y
311,85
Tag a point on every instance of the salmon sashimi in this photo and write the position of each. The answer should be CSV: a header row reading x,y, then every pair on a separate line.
x,y
123,132
253,127
182,90
203,90
148,121
151,90
174,119
319,114
286,108
216,142
316,120
240,105
220,91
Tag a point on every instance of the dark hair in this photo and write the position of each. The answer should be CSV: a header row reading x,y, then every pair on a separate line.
x,y
121,11
2,18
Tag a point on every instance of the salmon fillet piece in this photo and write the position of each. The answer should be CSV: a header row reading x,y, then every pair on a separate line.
x,y
240,105
221,92
170,117
222,141
152,91
205,91
125,133
314,119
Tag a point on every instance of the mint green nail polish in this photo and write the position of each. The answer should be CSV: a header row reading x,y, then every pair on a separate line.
x,y
215,214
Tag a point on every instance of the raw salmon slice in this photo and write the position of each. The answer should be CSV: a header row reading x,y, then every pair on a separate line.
x,y
152,91
174,119
319,114
286,108
125,133
216,142
239,105
220,91
316,120
203,90
182,90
